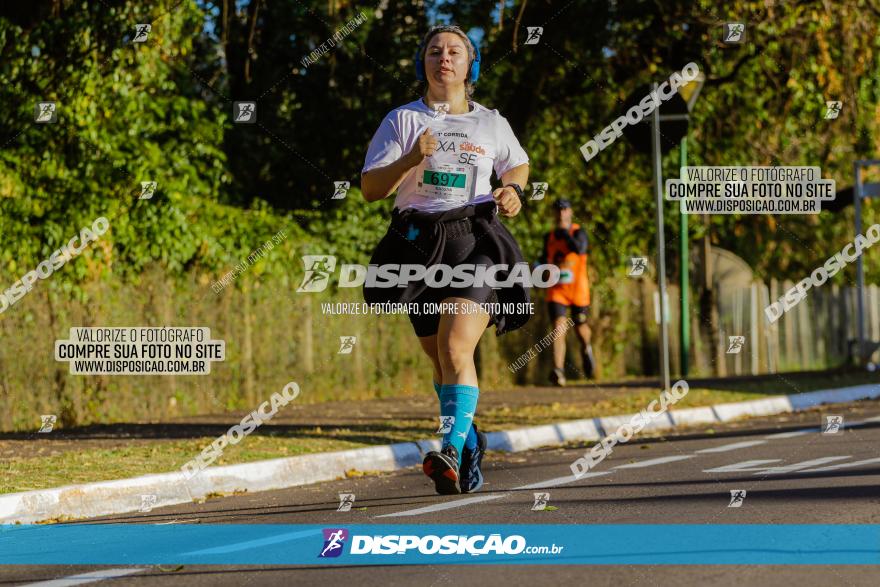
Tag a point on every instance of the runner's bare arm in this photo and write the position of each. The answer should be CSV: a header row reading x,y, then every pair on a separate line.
x,y
506,197
518,175
379,183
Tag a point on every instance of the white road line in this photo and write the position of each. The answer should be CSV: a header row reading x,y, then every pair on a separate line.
x,y
734,446
472,500
804,431
562,480
743,466
842,466
86,578
801,465
652,462
442,506
794,433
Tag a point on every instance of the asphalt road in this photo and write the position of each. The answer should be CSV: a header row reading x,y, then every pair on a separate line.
x,y
790,471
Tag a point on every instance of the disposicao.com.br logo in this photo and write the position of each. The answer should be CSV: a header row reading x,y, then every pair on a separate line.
x,y
450,544
334,542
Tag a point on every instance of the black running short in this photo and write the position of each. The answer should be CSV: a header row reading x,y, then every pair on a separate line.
x,y
462,246
578,313
471,235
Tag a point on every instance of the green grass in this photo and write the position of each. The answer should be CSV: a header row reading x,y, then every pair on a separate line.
x,y
141,457
160,456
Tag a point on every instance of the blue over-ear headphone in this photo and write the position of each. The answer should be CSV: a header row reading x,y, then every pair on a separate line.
x,y
474,69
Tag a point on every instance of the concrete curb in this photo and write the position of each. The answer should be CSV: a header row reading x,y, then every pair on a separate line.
x,y
124,495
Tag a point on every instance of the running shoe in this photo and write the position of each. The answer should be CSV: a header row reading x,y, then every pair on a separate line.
x,y
557,378
471,461
442,468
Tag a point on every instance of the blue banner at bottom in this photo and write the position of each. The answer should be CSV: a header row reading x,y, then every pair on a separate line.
x,y
380,544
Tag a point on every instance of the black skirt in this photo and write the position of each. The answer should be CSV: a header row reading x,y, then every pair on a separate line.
x,y
416,237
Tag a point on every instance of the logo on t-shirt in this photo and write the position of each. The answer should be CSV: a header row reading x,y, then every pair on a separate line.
x,y
480,138
471,148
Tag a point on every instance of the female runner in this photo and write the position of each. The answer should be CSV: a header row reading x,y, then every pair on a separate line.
x,y
439,152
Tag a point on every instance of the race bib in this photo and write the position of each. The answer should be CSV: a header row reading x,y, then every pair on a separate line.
x,y
565,275
453,183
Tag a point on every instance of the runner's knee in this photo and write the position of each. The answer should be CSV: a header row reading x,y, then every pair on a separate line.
x,y
456,353
585,332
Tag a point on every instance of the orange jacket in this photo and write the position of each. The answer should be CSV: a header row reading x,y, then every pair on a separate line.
x,y
573,288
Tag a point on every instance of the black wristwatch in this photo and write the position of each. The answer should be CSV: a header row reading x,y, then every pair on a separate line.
x,y
519,191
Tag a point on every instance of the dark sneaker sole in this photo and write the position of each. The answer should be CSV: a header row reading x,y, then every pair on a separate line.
x,y
482,443
445,477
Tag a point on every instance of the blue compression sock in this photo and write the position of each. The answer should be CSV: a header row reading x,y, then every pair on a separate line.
x,y
459,401
471,441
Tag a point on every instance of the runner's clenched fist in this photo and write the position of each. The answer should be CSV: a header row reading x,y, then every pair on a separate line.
x,y
507,200
424,147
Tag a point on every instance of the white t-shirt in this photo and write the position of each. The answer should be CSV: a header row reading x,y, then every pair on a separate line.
x,y
457,174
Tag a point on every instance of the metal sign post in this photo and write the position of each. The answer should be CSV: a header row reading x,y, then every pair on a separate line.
x,y
862,191
690,92
857,195
656,154
860,268
646,137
